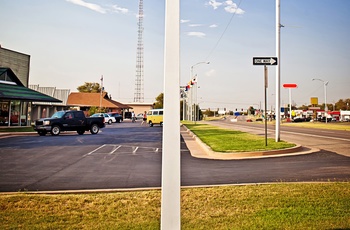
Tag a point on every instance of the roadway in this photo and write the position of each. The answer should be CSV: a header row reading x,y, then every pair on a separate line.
x,y
128,155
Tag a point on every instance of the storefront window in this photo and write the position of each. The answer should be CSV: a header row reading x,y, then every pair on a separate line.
x,y
15,112
4,113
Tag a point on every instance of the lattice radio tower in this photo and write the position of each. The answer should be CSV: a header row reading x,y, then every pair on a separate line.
x,y
138,94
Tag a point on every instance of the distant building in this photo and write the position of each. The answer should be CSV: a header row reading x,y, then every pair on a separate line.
x,y
15,99
84,101
47,109
140,107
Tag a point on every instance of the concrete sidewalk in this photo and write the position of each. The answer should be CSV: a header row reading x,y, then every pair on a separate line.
x,y
199,149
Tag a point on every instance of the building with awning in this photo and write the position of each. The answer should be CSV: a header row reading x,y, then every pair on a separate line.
x,y
15,99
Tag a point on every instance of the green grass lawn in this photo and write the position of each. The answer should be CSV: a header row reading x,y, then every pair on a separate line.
x,y
227,140
16,129
274,206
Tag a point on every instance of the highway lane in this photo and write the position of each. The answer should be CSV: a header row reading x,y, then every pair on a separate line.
x,y
128,155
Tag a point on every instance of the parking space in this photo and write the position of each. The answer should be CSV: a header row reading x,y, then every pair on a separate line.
x,y
110,149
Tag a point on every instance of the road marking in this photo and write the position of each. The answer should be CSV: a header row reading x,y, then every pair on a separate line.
x,y
122,149
94,150
135,149
115,149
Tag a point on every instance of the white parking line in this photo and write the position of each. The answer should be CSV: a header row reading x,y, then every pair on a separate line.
x,y
135,149
94,150
115,149
112,149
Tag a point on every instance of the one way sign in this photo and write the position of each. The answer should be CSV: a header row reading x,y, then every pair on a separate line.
x,y
264,60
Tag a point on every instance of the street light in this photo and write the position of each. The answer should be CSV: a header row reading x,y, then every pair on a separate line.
x,y
193,110
325,83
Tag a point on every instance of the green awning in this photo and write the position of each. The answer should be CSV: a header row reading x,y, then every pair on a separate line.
x,y
22,93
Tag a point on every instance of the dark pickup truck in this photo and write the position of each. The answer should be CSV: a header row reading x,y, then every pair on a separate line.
x,y
70,120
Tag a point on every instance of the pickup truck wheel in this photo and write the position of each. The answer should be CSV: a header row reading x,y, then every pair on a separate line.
x,y
109,122
94,129
80,132
55,131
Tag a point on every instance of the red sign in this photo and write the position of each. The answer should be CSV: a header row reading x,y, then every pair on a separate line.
x,y
290,85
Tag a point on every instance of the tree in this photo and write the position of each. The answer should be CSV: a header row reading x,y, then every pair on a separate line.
x,y
159,101
90,87
343,104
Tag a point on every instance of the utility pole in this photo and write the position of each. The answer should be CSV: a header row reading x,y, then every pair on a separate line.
x,y
278,71
171,155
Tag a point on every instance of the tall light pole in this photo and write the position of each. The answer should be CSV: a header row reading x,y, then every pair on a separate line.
x,y
171,173
325,83
278,72
194,110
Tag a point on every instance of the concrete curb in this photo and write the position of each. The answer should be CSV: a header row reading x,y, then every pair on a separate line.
x,y
12,134
210,154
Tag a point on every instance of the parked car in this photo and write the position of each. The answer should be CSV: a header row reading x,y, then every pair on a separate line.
x,y
117,116
139,116
301,119
323,119
127,115
108,119
70,120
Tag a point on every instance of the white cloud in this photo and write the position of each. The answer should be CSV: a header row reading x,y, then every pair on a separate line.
x,y
210,73
118,9
213,26
230,6
214,4
195,25
90,6
196,34
184,21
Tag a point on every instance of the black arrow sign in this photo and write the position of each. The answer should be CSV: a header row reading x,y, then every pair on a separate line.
x,y
264,60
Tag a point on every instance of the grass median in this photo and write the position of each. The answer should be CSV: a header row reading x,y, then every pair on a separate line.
x,y
16,129
269,206
228,140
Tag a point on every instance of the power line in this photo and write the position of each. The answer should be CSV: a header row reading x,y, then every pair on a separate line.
x,y
223,33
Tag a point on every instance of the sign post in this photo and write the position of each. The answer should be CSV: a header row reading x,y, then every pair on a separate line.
x,y
290,86
170,200
265,61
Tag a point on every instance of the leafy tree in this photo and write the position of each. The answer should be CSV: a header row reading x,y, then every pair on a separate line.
x,y
90,87
343,104
159,101
95,109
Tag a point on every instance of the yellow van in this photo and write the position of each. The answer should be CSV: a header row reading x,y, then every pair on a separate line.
x,y
155,116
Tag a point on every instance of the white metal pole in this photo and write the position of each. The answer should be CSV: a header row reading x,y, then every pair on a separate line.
x,y
325,99
191,95
170,201
290,103
278,81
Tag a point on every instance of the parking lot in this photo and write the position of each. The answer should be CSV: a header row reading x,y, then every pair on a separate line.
x,y
128,155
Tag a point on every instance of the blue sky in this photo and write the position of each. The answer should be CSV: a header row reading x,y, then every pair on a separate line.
x,y
77,41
